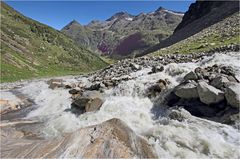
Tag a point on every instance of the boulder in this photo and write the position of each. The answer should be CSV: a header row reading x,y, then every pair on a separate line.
x,y
232,79
88,101
96,86
70,85
191,76
179,114
135,67
94,105
187,90
158,68
197,108
228,70
55,83
92,94
74,91
81,85
81,102
209,94
219,82
198,72
155,89
108,84
82,105
7,106
232,94
162,84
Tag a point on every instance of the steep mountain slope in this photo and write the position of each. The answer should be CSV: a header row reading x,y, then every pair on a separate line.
x,y
224,35
123,30
31,49
200,15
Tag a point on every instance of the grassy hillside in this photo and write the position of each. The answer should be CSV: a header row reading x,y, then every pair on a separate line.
x,y
223,33
30,49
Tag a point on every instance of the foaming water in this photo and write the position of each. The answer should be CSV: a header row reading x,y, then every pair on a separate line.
x,y
231,59
193,138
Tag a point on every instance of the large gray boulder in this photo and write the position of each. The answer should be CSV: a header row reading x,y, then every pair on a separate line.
x,y
209,94
94,105
87,102
187,90
232,94
219,82
191,76
92,94
83,104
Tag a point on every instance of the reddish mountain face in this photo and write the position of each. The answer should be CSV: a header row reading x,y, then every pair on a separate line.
x,y
131,43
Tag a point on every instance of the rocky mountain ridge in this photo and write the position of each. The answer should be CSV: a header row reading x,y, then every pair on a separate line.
x,y
139,32
201,15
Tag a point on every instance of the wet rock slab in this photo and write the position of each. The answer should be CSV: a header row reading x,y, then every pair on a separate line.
x,y
111,139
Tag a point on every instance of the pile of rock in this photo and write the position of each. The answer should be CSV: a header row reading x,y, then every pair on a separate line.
x,y
231,47
121,71
208,92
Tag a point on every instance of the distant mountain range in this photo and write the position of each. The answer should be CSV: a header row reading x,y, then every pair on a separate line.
x,y
123,33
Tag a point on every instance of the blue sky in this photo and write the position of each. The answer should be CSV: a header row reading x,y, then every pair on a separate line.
x,y
59,13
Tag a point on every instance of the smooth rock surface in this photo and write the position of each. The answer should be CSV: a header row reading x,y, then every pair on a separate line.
x,y
111,139
219,81
186,90
232,94
209,94
191,76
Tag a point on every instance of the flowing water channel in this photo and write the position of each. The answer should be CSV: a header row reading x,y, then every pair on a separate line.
x,y
192,138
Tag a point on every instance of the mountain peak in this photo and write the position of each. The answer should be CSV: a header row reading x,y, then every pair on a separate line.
x,y
120,15
160,9
74,22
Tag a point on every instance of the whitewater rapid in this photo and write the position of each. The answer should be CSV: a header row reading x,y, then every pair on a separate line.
x,y
193,138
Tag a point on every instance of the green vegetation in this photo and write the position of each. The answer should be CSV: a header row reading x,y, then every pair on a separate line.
x,y
220,34
30,49
108,60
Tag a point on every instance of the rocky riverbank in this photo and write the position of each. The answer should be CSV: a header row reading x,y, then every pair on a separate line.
x,y
211,92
